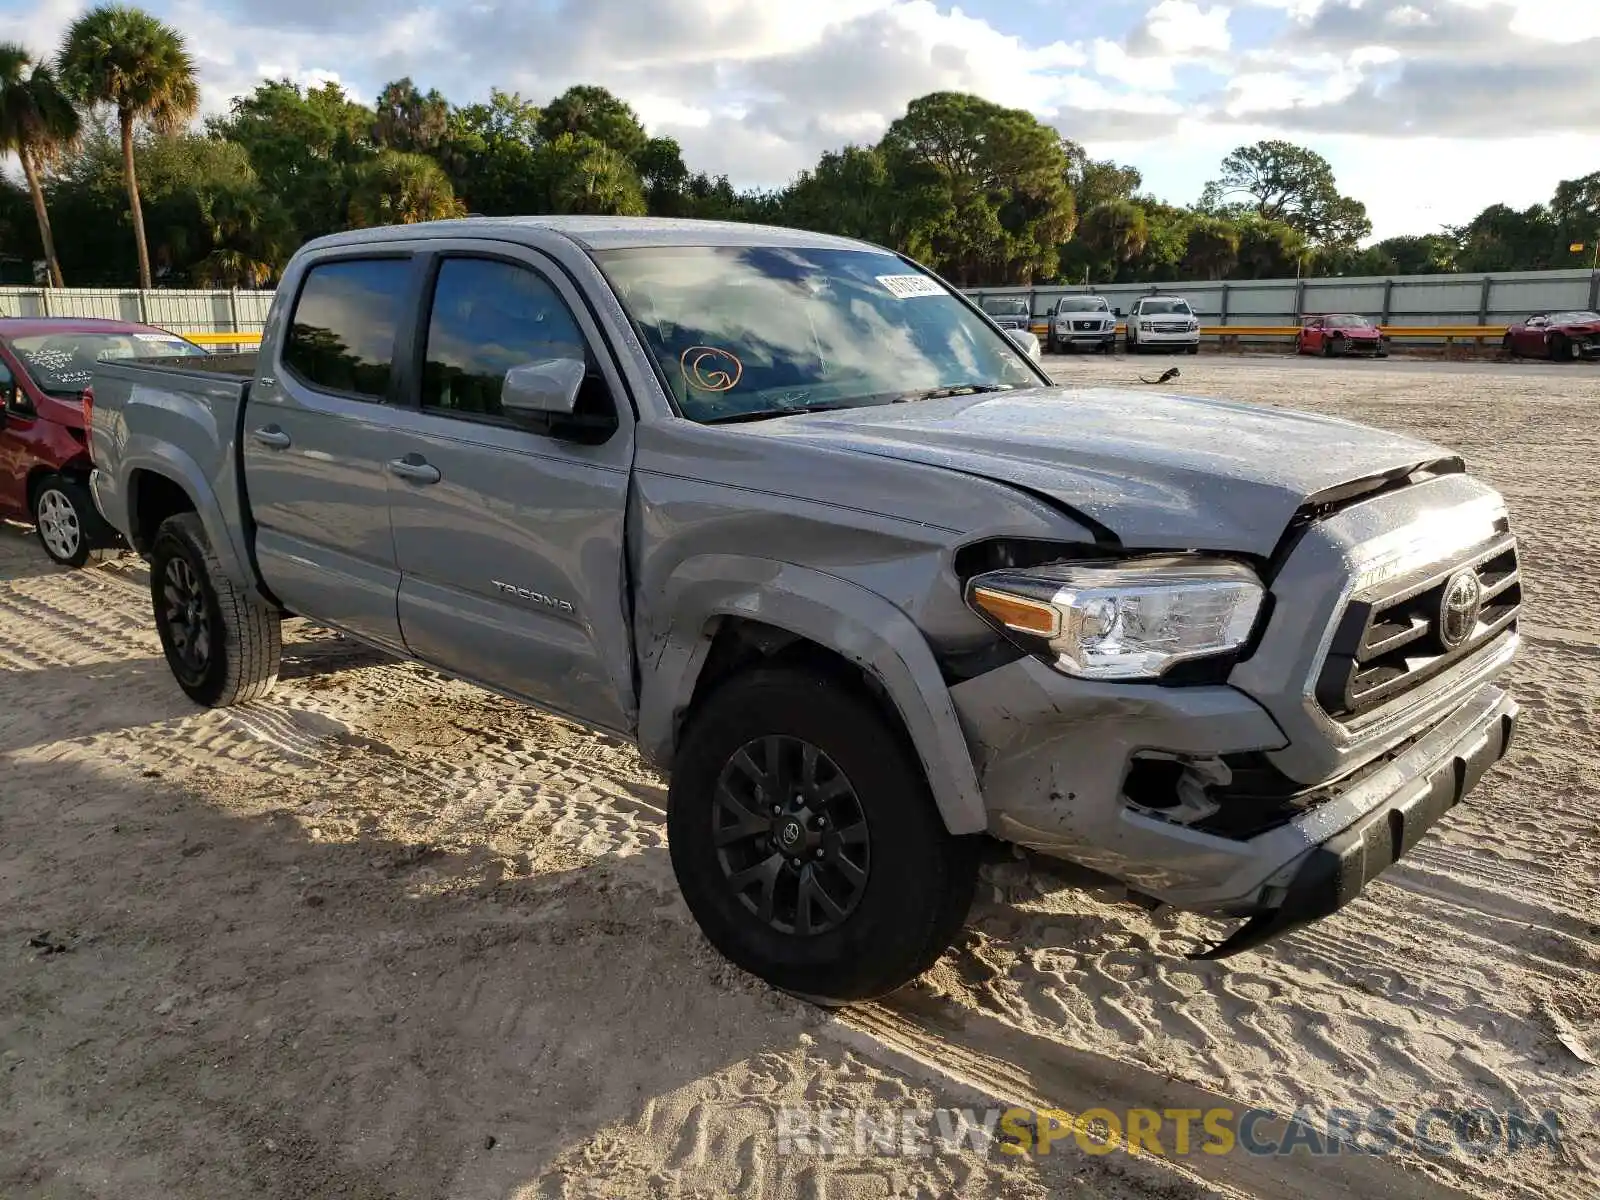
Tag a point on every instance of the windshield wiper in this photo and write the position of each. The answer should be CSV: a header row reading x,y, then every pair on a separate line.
x,y
762,414
954,389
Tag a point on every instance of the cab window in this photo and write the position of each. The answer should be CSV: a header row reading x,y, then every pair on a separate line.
x,y
487,316
342,330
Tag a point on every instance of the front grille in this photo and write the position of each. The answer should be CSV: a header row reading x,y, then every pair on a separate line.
x,y
1086,325
1389,643
1172,327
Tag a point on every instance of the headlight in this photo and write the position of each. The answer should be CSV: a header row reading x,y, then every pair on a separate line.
x,y
1125,620
1146,324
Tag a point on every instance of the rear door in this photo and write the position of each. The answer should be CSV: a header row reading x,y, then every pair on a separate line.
x,y
316,438
509,532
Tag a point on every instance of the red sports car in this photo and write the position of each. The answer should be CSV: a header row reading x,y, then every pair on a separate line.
x,y
1556,335
1340,333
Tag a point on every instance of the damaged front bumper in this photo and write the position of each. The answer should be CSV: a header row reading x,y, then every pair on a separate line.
x,y
1056,757
1412,791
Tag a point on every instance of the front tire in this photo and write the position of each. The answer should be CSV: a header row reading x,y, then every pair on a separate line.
x,y
223,645
1509,345
806,843
64,518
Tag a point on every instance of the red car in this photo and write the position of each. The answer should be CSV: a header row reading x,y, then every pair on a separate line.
x,y
1560,336
45,366
1340,333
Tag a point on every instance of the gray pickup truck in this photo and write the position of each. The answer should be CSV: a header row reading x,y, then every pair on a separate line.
x,y
800,520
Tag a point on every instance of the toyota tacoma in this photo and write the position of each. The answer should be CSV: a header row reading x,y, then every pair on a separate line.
x,y
800,520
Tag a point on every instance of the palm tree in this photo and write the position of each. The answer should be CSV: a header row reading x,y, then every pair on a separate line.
x,y
39,123
125,59
396,188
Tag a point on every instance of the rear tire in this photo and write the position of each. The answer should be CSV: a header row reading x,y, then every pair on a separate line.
x,y
223,645
895,885
1561,350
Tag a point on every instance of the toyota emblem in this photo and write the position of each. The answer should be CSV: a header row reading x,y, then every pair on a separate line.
x,y
1459,608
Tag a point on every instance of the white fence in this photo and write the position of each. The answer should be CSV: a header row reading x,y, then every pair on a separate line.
x,y
1496,298
181,311
1414,300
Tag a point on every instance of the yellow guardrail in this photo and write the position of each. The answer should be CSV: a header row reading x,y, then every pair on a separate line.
x,y
221,339
1448,332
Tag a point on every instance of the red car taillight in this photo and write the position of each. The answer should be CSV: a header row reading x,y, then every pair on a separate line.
x,y
88,409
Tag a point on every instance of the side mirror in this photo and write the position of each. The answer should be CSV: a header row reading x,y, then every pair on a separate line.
x,y
546,388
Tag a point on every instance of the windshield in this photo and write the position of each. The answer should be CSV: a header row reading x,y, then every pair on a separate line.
x,y
1156,308
741,330
1346,322
1082,304
63,363
1004,306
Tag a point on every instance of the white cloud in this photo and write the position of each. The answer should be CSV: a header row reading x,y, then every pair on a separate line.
x,y
1184,27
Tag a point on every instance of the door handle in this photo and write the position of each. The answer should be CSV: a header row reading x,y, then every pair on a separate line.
x,y
415,468
272,437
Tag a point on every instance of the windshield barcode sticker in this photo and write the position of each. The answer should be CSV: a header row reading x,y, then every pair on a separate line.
x,y
908,287
157,337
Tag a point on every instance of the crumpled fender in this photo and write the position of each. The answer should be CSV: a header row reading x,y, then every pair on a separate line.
x,y
677,626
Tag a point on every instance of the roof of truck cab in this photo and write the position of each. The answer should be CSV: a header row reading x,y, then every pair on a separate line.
x,y
31,326
601,233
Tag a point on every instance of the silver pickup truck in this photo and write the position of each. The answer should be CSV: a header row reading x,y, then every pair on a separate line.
x,y
801,521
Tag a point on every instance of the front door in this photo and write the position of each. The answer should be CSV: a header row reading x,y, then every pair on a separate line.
x,y
15,456
316,437
509,532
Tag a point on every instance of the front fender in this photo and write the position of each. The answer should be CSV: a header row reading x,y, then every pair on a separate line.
x,y
832,612
163,458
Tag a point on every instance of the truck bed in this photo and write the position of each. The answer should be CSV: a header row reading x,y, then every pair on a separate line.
x,y
181,422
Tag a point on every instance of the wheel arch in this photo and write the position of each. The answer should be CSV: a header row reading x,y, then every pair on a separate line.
x,y
723,614
166,481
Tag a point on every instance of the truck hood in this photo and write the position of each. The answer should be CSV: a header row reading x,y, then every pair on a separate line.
x,y
1158,470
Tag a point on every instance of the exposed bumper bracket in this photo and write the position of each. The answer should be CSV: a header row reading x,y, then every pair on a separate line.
x,y
1334,873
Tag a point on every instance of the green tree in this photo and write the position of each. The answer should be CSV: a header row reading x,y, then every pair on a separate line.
x,y
125,59
1291,184
584,175
664,176
396,188
588,111
1501,238
1114,233
1270,249
849,192
1211,249
39,124
489,151
250,235
404,119
305,147
987,187
1094,181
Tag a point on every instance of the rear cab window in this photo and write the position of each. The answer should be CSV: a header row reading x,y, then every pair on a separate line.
x,y
342,331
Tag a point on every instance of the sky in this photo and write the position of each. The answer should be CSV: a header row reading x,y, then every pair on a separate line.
x,y
1429,110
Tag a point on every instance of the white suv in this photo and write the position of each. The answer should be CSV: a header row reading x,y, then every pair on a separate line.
x,y
1082,321
1156,321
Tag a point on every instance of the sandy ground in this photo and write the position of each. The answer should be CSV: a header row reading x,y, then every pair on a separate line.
x,y
388,935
